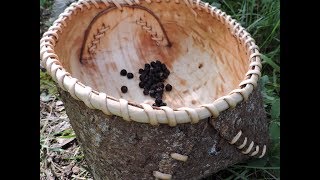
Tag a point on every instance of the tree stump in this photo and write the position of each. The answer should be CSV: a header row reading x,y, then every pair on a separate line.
x,y
214,115
116,149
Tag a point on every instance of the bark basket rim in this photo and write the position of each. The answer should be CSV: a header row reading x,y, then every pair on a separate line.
x,y
145,113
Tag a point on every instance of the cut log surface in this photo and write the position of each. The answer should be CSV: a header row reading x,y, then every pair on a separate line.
x,y
117,149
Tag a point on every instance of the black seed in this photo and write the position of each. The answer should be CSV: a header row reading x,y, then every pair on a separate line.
x,y
153,64
161,85
147,66
163,104
146,88
158,63
163,67
151,91
123,72
159,89
124,89
130,75
165,76
142,77
141,71
153,95
145,92
141,84
168,87
158,96
158,101
166,71
145,72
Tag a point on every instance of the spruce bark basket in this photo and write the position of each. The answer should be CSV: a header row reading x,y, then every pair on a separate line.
x,y
214,115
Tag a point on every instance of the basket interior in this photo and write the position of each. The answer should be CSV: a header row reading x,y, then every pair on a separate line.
x,y
205,60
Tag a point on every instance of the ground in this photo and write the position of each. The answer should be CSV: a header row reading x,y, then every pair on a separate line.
x,y
60,153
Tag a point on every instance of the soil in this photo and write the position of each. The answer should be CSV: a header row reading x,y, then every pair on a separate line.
x,y
60,154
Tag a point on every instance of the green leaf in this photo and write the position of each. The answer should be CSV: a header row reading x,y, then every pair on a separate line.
x,y
274,131
68,136
270,62
264,80
258,162
275,162
275,109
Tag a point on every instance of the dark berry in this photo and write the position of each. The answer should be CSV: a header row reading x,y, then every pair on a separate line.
x,y
158,96
166,71
124,89
158,101
145,92
154,104
161,85
163,67
142,77
165,76
129,75
123,72
153,95
152,92
141,84
147,66
158,63
168,87
141,71
153,64
159,89
163,104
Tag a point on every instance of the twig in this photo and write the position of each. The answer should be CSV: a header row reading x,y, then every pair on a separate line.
x,y
77,177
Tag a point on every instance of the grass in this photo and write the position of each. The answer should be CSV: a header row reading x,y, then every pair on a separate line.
x,y
261,18
46,3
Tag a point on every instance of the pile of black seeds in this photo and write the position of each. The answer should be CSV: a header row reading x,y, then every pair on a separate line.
x,y
152,79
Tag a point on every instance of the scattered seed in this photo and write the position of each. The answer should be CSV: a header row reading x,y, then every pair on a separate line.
x,y
123,72
168,87
130,75
124,89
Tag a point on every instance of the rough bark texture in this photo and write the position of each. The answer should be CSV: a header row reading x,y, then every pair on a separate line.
x,y
117,149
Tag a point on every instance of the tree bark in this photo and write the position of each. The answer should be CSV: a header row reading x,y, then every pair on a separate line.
x,y
117,149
